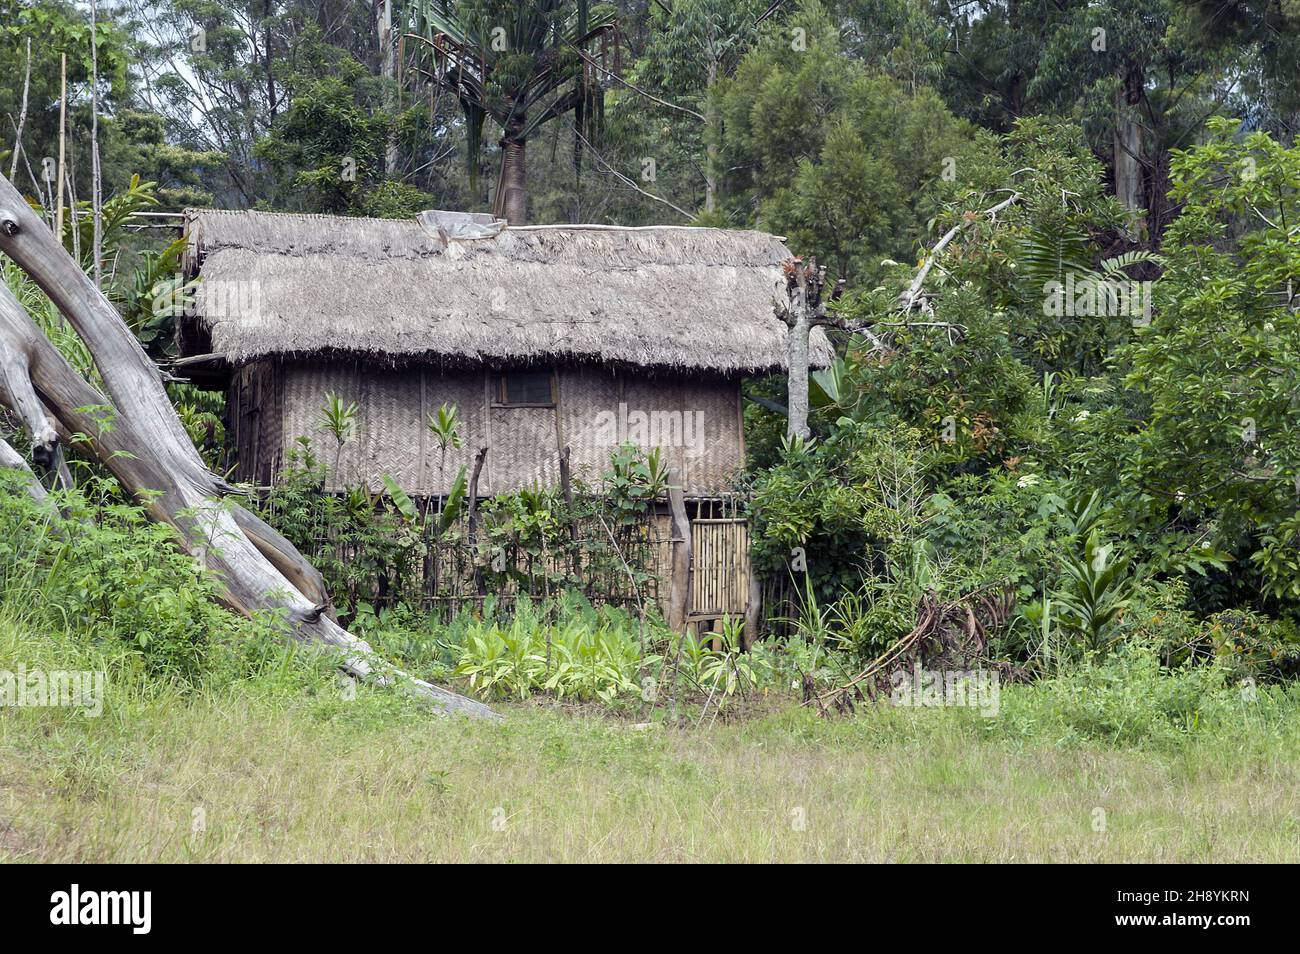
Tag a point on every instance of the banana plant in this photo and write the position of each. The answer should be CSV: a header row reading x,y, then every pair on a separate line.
x,y
445,426
339,418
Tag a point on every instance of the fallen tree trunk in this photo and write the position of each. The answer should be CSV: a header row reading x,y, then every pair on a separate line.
x,y
135,433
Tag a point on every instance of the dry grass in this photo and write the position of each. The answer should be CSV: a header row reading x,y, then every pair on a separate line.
x,y
322,779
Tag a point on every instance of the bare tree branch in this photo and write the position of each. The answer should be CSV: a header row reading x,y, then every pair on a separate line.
x,y
909,296
22,114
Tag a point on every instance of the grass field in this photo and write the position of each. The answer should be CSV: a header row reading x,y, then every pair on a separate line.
x,y
278,764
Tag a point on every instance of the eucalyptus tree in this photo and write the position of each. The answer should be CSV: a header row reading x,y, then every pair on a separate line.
x,y
1263,36
1139,75
992,53
521,63
34,39
691,46
223,71
1133,72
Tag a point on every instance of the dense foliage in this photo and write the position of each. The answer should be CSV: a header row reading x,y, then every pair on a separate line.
x,y
1131,475
1091,407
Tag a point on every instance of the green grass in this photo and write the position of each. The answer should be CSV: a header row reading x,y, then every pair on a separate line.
x,y
279,765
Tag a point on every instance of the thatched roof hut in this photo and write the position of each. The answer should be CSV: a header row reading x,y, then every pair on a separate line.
x,y
666,297
541,336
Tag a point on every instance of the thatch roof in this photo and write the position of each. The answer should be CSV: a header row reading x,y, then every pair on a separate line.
x,y
673,297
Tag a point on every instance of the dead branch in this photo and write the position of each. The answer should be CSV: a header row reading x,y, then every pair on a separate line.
x,y
953,634
908,298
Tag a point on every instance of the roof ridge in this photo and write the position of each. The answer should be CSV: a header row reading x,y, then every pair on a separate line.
x,y
196,212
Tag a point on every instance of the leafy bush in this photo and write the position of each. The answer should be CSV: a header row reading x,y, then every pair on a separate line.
x,y
360,541
1095,593
1176,423
571,659
1252,646
566,648
997,527
841,509
89,565
569,649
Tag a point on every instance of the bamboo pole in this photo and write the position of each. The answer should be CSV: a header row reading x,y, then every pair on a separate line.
x,y
96,174
63,140
22,115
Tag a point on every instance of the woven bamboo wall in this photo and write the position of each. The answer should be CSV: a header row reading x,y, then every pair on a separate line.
x,y
695,421
392,437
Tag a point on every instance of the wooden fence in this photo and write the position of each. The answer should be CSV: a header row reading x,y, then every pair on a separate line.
x,y
609,560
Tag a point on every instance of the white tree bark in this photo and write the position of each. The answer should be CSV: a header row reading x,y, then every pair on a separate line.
x,y
16,391
1128,151
799,304
797,383
22,114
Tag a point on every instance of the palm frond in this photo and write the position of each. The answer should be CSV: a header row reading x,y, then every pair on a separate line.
x,y
1114,267
1043,257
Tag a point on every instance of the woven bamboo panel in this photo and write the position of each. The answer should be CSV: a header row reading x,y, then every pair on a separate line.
x,y
719,567
392,436
524,450
244,432
584,393
695,423
390,430
464,391
305,387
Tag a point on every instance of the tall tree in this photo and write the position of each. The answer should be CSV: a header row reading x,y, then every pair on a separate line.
x,y
824,149
1263,39
693,45
331,148
522,64
223,72
55,29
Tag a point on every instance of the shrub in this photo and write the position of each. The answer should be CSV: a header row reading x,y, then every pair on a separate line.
x,y
359,541
1250,645
584,656
89,565
571,650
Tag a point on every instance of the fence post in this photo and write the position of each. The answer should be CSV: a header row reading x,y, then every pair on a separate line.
x,y
473,521
679,592
566,487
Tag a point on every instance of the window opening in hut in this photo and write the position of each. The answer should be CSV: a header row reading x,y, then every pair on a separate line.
x,y
527,389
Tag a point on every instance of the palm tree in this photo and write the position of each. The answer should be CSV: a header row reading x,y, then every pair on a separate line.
x,y
523,63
